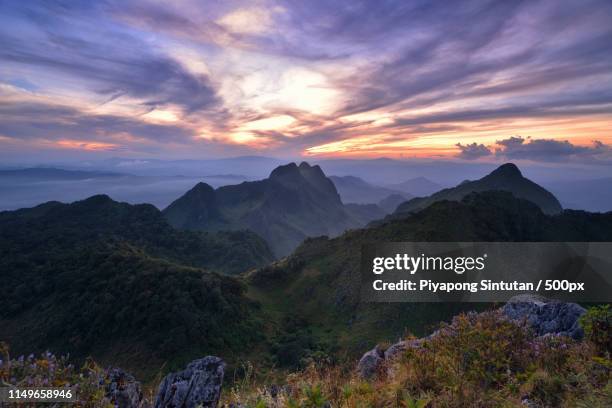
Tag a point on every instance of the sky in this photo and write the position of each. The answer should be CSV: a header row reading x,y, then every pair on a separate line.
x,y
473,81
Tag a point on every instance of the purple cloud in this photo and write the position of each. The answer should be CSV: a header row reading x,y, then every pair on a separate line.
x,y
472,151
550,150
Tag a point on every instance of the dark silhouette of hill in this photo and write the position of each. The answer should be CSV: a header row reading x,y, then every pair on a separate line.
x,y
101,277
322,275
293,203
505,178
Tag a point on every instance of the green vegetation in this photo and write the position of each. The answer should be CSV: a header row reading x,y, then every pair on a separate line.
x,y
116,282
49,370
102,278
477,360
597,325
322,276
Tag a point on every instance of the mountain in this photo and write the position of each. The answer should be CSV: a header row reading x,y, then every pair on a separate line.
x,y
295,202
115,281
355,190
507,177
29,187
323,275
365,213
391,203
418,186
111,279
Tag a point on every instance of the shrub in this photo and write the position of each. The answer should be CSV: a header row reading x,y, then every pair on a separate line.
x,y
597,325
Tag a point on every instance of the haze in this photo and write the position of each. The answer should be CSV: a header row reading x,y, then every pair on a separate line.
x,y
163,89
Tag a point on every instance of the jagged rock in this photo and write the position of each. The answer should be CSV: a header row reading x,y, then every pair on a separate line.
x,y
546,316
199,385
123,391
370,362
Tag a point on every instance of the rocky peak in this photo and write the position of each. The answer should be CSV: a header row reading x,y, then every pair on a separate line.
x,y
508,171
201,190
287,171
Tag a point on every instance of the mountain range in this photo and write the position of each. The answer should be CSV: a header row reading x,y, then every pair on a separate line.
x,y
417,186
355,190
118,282
322,275
293,203
507,177
104,278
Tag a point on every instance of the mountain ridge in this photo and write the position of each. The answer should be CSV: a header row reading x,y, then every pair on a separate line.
x,y
293,203
506,177
354,189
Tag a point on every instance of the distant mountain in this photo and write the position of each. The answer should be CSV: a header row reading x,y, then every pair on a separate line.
x,y
28,187
295,202
323,275
355,190
391,203
418,186
50,173
505,178
365,213
103,278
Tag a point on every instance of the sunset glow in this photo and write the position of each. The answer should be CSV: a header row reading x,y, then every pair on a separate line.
x,y
195,80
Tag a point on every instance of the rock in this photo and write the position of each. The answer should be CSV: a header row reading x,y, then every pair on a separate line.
x,y
546,316
528,403
395,350
370,362
123,391
199,385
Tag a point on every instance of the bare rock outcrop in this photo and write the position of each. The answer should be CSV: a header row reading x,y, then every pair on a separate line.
x,y
544,316
123,391
199,385
370,362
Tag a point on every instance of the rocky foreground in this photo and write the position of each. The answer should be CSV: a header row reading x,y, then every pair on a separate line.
x,y
544,316
492,349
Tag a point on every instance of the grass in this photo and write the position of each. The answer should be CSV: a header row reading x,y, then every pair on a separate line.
x,y
476,360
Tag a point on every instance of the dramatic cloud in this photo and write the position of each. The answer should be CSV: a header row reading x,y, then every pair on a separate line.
x,y
285,77
111,63
472,151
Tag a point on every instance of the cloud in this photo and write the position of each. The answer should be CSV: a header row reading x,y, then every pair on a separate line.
x,y
514,50
392,72
472,151
83,48
540,150
550,150
32,120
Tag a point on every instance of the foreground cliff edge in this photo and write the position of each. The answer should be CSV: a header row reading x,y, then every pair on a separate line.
x,y
532,352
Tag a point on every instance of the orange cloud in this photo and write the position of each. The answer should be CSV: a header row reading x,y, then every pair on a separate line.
x,y
86,145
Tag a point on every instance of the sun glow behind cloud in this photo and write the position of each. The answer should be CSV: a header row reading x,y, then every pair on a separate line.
x,y
85,145
394,79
